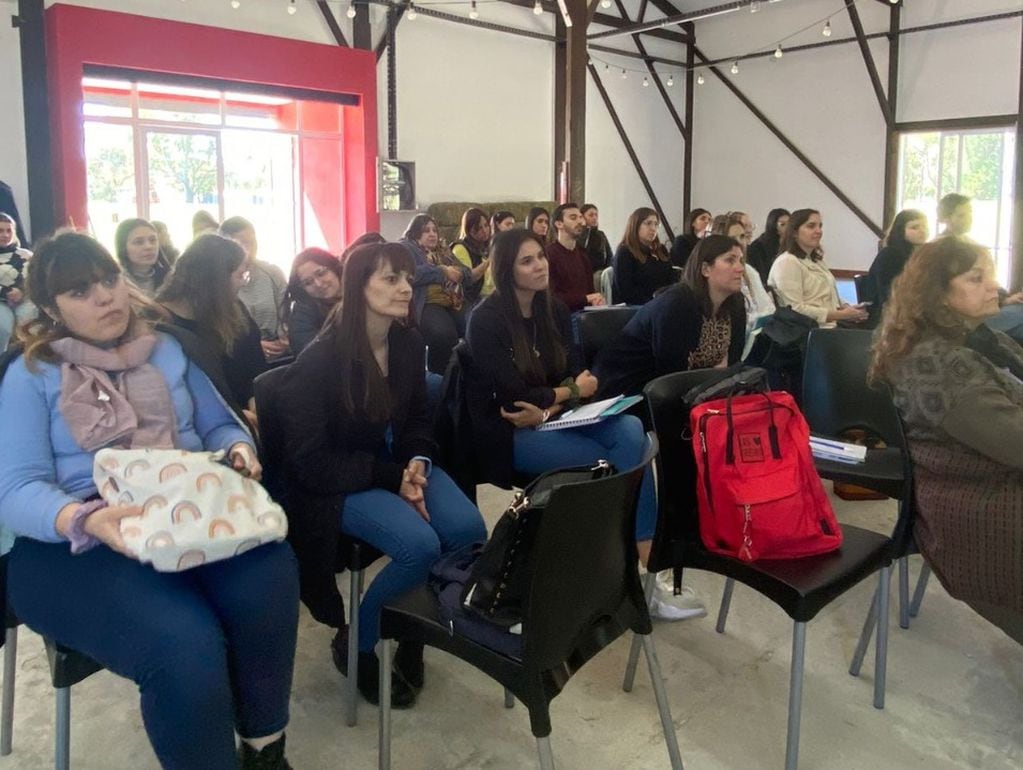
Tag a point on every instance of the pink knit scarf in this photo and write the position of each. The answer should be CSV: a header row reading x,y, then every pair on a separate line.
x,y
114,397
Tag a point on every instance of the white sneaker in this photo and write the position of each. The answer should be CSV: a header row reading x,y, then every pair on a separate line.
x,y
665,605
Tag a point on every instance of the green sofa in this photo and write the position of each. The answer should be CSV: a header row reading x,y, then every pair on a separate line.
x,y
449,215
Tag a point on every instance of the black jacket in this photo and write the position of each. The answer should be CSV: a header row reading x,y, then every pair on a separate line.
x,y
681,248
761,255
886,267
493,381
330,452
658,340
635,282
304,323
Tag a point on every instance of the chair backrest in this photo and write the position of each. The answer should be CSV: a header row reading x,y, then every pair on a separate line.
x,y
598,328
452,429
836,397
266,389
585,588
607,283
864,292
675,468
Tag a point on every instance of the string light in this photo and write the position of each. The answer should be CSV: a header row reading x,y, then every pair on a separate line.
x,y
292,8
671,81
350,13
473,13
735,67
700,80
646,82
778,53
236,4
827,29
412,13
537,8
754,6
605,3
625,75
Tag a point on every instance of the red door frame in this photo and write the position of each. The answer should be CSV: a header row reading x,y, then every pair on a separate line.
x,y
78,36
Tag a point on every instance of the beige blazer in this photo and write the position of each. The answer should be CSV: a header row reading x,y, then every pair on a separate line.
x,y
808,287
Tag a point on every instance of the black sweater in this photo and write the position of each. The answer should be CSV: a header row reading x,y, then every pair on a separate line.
x,y
761,255
493,381
330,452
887,266
658,340
635,282
304,323
681,248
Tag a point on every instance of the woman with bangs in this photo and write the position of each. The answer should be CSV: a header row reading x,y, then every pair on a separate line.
x,y
358,443
641,264
314,288
201,296
959,388
137,246
211,648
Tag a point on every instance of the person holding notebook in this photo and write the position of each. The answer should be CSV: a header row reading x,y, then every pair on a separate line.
x,y
523,374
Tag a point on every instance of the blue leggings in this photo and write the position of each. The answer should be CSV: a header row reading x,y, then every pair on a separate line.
x,y
391,525
211,649
620,440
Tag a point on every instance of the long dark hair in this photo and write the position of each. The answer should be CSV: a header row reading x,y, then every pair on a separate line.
x,y
770,238
201,278
503,255
691,219
415,228
535,212
637,248
363,386
295,291
706,251
896,235
797,219
121,235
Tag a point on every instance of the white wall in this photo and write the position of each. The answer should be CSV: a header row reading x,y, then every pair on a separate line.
x,y
13,163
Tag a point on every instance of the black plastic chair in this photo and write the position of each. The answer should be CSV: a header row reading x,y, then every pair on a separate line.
x,y
596,329
67,668
584,593
836,399
355,555
800,587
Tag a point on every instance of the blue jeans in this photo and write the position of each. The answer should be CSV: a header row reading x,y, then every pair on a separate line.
x,y
11,317
620,440
212,649
391,525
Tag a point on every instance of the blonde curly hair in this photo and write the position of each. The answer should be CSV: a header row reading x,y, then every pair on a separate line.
x,y
917,306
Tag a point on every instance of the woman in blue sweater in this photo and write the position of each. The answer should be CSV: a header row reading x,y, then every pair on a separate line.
x,y
211,648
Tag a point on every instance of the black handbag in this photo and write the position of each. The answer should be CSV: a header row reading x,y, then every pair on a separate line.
x,y
498,585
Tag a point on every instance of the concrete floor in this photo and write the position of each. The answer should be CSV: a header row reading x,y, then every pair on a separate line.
x,y
955,698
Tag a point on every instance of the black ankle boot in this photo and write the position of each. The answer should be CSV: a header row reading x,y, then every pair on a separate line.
x,y
408,660
339,650
368,682
270,757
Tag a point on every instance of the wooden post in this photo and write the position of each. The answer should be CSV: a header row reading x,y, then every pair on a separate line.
x,y
31,23
687,157
891,155
576,59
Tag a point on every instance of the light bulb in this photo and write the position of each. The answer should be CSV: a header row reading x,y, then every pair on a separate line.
x,y
778,53
473,13
292,8
537,8
350,13
625,75
735,67
827,29
671,81
236,4
894,2
605,3
699,80
646,82
412,12
754,6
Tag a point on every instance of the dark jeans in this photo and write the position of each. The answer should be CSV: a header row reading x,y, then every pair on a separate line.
x,y
441,328
211,649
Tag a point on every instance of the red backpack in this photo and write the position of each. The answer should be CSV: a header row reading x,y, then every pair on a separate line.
x,y
759,494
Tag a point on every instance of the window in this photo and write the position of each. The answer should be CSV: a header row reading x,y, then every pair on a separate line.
x,y
164,152
977,163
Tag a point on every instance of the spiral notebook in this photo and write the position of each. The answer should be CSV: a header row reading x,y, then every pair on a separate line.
x,y
591,413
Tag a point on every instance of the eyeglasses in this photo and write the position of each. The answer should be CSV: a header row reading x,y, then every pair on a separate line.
x,y
317,274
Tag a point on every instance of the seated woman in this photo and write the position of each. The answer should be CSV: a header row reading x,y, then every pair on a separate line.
x,y
697,227
314,288
14,307
137,246
801,279
696,325
641,263
439,284
358,441
907,233
522,374
538,222
760,254
759,304
471,249
959,388
211,648
201,295
500,221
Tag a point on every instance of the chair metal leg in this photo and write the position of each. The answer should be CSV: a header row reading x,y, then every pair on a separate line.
x,y
7,709
649,582
795,695
881,644
509,699
543,747
351,685
904,592
918,594
663,707
62,728
384,740
864,642
726,603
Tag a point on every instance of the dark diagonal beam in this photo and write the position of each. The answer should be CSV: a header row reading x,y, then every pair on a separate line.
x,y
335,29
868,61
